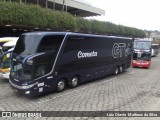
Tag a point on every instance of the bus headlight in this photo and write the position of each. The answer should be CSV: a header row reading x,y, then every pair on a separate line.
x,y
27,92
134,61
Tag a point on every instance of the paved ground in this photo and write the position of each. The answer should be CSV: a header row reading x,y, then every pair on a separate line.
x,y
135,90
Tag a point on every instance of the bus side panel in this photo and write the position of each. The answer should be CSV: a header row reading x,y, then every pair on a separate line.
x,y
91,59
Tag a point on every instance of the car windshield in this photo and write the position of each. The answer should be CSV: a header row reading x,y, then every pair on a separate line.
x,y
142,45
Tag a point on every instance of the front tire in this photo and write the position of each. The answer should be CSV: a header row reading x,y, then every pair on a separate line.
x,y
61,85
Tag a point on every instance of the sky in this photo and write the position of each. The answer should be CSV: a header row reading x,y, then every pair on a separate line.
x,y
141,14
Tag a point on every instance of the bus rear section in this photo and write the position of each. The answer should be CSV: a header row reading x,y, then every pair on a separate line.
x,y
141,53
51,61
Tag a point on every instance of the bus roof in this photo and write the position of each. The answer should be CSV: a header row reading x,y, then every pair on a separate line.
x,y
10,43
71,33
6,39
142,40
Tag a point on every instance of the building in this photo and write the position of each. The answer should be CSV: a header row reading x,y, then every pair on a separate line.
x,y
155,35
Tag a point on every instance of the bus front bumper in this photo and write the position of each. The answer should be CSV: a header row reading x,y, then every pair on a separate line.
x,y
143,64
30,90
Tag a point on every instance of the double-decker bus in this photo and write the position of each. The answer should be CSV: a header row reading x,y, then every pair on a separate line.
x,y
7,39
141,53
9,45
155,49
51,61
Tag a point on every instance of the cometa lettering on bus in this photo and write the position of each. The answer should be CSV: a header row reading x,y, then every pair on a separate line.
x,y
91,54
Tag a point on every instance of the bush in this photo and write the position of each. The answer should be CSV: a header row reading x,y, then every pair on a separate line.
x,y
35,16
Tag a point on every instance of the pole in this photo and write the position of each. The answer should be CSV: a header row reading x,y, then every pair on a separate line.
x,y
63,5
54,6
66,8
37,2
46,3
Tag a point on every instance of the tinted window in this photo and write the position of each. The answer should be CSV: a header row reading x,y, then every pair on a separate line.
x,y
78,43
141,56
27,44
142,45
50,43
155,46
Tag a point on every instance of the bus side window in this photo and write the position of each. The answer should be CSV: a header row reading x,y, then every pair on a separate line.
x,y
50,43
86,43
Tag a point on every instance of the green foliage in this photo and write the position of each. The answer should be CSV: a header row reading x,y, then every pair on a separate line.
x,y
35,16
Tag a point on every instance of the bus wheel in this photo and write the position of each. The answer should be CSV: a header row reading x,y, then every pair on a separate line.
x,y
74,82
116,71
120,69
61,85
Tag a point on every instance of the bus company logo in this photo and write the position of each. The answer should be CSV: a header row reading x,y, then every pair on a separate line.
x,y
88,54
118,50
6,114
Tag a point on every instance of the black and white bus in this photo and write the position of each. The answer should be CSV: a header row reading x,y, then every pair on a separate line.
x,y
47,61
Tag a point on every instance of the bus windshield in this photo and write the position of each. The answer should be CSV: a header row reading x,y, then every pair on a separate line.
x,y
141,56
27,44
6,63
39,65
142,45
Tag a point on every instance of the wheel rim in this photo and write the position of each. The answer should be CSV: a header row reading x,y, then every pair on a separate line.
x,y
121,69
74,81
116,71
61,85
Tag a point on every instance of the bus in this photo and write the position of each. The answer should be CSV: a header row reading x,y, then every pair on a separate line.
x,y
5,64
1,51
141,53
9,45
6,39
50,61
155,49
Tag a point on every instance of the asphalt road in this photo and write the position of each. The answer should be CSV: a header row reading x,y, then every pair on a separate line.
x,y
137,89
